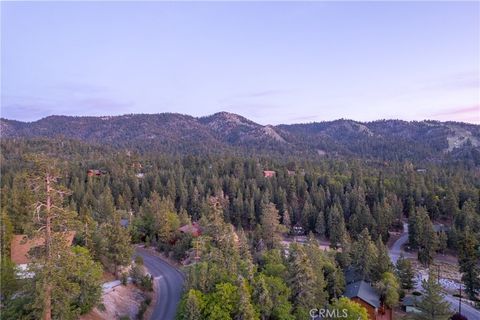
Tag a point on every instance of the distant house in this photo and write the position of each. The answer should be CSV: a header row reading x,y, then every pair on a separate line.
x,y
95,172
192,229
363,293
269,173
140,175
137,165
410,304
438,227
21,248
298,230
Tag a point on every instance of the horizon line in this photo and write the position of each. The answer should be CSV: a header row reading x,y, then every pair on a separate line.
x,y
237,114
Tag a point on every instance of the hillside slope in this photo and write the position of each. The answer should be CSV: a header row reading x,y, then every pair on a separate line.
x,y
170,132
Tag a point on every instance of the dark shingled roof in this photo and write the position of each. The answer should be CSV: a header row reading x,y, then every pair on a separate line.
x,y
364,291
440,228
124,222
411,301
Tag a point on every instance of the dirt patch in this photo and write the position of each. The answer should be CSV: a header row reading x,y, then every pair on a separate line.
x,y
92,315
107,277
121,301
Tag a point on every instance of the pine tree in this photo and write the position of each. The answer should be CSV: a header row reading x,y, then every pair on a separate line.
x,y
8,270
432,304
450,204
262,298
320,224
117,247
302,281
413,229
316,258
344,256
364,255
425,237
191,306
21,200
384,264
88,274
279,295
442,241
336,226
52,220
389,288
245,307
405,273
246,260
469,256
286,221
271,227
105,208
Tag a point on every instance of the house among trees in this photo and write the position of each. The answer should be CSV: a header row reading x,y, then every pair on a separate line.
x,y
192,229
298,230
22,249
438,228
361,291
95,172
409,304
269,173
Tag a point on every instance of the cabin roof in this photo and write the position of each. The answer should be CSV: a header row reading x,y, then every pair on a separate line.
x,y
193,229
411,301
363,290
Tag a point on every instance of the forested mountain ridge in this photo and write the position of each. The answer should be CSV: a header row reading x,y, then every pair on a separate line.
x,y
353,203
171,132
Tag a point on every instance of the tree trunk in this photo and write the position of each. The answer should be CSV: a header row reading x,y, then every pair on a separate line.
x,y
47,312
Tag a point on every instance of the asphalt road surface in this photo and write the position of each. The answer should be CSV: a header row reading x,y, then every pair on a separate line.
x,y
470,312
169,282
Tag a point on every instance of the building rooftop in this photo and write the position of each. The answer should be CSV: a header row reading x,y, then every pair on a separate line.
x,y
193,229
363,290
411,301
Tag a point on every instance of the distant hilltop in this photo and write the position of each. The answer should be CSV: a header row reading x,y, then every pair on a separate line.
x,y
228,132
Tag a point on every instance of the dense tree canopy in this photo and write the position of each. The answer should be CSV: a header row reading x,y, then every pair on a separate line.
x,y
244,215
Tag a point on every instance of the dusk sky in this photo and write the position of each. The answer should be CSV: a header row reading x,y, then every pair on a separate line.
x,y
270,62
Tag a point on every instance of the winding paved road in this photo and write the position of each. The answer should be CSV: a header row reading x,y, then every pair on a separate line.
x,y
470,312
169,282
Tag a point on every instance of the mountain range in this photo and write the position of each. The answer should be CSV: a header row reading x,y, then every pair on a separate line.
x,y
228,132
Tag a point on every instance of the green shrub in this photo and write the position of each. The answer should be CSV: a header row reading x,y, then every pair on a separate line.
x,y
139,260
124,278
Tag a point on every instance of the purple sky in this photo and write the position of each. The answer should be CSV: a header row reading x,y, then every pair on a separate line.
x,y
270,62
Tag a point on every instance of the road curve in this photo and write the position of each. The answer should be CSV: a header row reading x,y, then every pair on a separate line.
x,y
470,312
169,282
396,250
